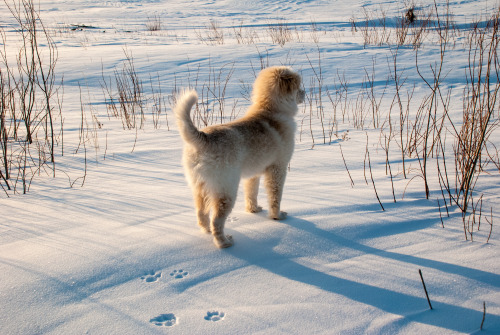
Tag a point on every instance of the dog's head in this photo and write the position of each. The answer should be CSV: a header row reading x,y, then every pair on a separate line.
x,y
276,86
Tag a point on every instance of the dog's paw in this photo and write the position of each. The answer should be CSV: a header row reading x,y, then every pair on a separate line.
x,y
223,241
254,209
281,216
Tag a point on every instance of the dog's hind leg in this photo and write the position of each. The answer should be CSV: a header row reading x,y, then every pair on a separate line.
x,y
251,187
222,206
274,181
202,210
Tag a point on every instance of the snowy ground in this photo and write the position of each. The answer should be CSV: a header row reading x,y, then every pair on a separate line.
x,y
123,253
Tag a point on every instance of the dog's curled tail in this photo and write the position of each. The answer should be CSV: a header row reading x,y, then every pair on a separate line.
x,y
182,111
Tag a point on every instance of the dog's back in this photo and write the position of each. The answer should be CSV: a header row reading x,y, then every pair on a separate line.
x,y
251,143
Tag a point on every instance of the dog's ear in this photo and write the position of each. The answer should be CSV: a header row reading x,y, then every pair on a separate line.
x,y
288,80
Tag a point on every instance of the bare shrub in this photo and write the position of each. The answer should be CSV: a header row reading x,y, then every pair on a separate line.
x,y
435,100
420,30
211,107
316,92
424,127
280,32
158,105
212,35
375,102
245,35
399,81
315,32
480,104
373,28
402,29
124,94
153,23
411,28
333,122
30,108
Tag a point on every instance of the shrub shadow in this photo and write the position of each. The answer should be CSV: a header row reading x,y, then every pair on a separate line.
x,y
410,308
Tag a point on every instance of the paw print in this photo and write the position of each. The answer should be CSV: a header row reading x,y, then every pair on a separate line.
x,y
164,320
151,276
214,316
179,274
232,219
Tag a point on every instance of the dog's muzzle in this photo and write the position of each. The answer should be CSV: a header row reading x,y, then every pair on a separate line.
x,y
301,95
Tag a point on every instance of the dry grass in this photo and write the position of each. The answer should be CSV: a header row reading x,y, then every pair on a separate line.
x,y
153,23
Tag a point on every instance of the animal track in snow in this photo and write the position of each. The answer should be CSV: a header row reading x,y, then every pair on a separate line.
x,y
151,276
232,219
164,320
179,274
214,316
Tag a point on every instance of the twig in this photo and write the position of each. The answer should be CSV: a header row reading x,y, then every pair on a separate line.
x,y
491,225
440,215
484,315
5,180
364,161
3,188
106,147
373,182
388,165
352,182
425,289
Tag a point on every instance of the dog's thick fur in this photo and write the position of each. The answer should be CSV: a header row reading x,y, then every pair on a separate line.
x,y
259,143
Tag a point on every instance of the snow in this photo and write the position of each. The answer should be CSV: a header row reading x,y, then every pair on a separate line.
x,y
122,254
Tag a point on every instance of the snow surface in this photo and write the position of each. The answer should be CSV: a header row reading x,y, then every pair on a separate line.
x,y
123,253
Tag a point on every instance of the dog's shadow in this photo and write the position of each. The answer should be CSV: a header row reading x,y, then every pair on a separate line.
x,y
264,254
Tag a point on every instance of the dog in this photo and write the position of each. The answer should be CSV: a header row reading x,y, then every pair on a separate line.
x,y
259,143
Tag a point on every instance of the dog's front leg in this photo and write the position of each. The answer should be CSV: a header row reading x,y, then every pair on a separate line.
x,y
251,187
275,181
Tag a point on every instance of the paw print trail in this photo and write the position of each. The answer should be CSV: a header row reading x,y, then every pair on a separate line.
x,y
179,274
214,316
164,320
151,276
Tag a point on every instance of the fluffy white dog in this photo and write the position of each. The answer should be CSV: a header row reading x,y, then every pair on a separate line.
x,y
260,143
